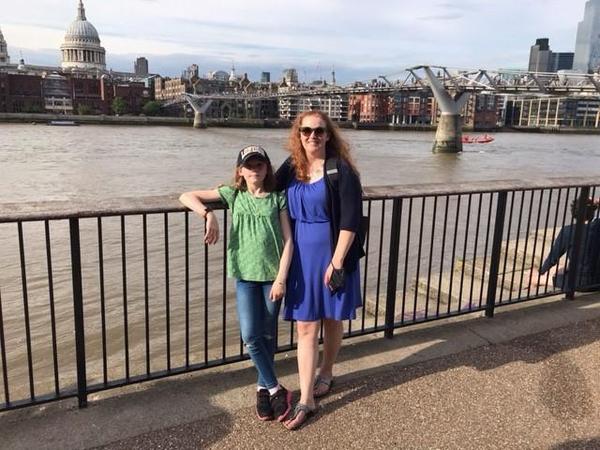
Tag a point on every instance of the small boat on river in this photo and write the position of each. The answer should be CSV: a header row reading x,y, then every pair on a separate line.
x,y
483,139
63,123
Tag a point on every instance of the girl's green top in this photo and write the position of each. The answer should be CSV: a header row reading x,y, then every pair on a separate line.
x,y
255,240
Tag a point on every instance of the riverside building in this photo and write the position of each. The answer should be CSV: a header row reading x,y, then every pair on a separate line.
x,y
553,112
140,67
542,59
587,46
82,55
81,84
370,108
4,58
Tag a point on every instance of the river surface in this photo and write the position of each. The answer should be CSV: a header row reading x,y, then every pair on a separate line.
x,y
42,163
89,162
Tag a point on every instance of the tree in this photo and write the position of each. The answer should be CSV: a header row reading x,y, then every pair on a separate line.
x,y
151,108
29,107
119,106
83,110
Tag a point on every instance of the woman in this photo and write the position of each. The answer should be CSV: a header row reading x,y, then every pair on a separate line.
x,y
324,280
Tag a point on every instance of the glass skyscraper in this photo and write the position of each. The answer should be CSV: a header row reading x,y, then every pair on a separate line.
x,y
587,46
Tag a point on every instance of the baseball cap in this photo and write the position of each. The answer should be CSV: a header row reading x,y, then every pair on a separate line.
x,y
252,151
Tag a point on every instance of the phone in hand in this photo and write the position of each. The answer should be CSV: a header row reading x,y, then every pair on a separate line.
x,y
336,281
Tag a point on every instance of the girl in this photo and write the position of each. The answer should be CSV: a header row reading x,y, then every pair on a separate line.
x,y
258,257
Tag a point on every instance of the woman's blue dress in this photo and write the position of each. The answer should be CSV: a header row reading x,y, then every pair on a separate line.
x,y
307,297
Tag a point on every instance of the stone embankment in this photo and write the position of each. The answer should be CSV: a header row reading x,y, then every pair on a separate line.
x,y
42,119
462,286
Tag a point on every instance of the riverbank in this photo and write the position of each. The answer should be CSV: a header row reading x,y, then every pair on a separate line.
x,y
42,119
552,130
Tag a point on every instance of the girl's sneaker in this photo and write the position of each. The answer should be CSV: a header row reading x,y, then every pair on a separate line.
x,y
264,411
281,403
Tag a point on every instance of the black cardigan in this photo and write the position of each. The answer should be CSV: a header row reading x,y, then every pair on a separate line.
x,y
344,206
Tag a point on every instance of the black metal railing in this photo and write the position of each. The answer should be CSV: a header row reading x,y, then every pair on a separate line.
x,y
97,297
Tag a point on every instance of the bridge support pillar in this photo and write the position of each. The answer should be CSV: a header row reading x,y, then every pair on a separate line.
x,y
199,120
448,137
200,105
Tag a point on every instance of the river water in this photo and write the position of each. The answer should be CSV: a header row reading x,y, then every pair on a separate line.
x,y
41,163
95,162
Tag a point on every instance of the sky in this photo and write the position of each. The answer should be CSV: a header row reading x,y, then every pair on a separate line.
x,y
359,39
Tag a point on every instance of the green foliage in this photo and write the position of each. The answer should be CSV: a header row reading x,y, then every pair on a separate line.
x,y
83,110
151,108
119,106
32,108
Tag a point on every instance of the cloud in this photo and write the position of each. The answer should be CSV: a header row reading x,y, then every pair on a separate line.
x,y
359,40
40,25
454,16
462,6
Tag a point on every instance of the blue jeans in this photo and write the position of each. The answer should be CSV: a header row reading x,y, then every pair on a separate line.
x,y
258,324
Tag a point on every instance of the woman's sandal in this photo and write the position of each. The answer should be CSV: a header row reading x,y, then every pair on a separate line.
x,y
322,386
299,408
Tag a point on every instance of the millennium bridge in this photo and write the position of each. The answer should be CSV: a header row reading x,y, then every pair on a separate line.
x,y
450,87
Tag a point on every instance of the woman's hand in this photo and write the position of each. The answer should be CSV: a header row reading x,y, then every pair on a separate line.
x,y
211,235
277,291
534,276
536,279
328,273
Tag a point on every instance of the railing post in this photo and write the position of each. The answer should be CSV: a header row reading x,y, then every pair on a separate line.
x,y
78,311
573,267
495,258
392,278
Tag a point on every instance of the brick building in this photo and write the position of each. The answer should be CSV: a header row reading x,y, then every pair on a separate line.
x,y
413,108
64,93
20,93
170,88
370,108
135,94
57,94
87,96
482,111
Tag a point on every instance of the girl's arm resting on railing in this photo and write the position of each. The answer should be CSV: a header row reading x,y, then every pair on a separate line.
x,y
278,289
194,201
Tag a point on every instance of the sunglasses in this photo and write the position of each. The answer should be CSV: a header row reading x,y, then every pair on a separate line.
x,y
307,131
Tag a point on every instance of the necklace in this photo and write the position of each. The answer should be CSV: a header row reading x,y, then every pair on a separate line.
x,y
316,172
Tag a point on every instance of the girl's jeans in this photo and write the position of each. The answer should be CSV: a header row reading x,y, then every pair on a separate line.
x,y
258,324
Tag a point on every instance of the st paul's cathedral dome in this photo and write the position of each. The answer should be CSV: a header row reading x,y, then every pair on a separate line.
x,y
81,48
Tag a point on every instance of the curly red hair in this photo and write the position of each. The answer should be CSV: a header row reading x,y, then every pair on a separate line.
x,y
335,146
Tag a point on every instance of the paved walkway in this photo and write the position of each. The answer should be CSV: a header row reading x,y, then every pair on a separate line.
x,y
529,378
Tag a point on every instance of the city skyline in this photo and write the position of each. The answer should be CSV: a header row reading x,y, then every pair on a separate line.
x,y
363,43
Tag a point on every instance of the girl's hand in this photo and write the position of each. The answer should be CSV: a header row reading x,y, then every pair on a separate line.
x,y
277,291
211,235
